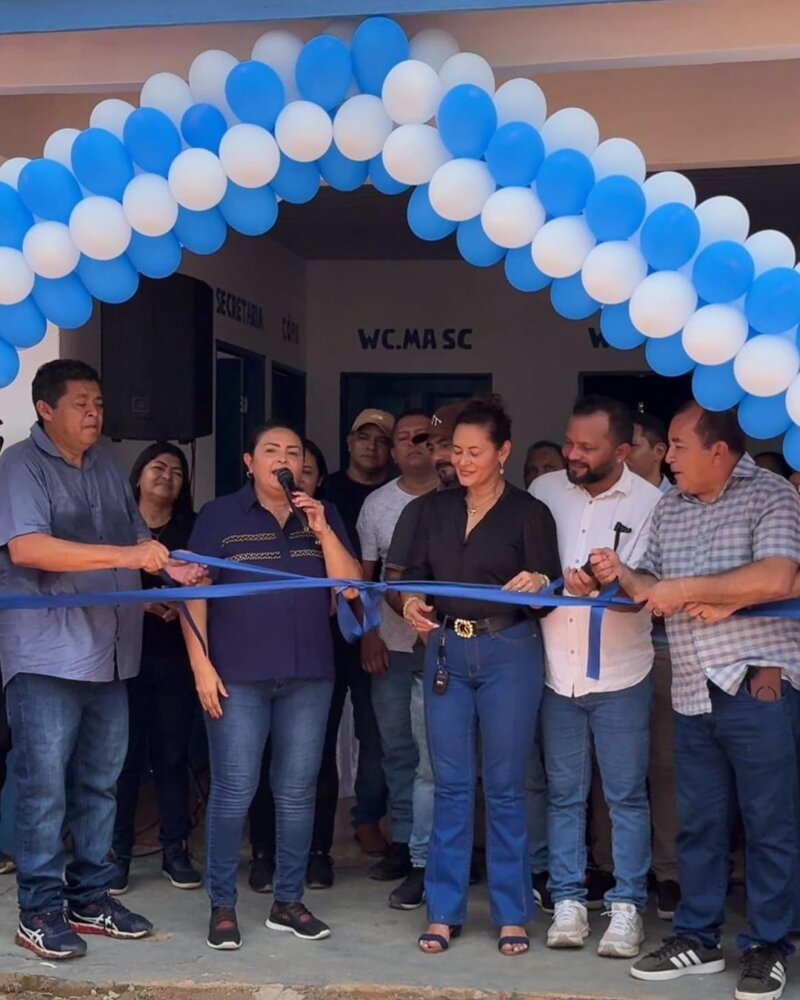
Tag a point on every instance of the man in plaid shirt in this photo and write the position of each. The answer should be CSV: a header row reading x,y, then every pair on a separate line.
x,y
727,537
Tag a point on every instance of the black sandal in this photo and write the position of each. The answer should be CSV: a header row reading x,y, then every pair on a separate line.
x,y
512,939
440,939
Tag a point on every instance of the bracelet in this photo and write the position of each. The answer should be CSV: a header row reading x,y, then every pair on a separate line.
x,y
546,581
406,603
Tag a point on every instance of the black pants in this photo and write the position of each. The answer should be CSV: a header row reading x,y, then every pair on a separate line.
x,y
161,706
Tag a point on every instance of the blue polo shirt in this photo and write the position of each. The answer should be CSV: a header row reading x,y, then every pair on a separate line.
x,y
279,635
41,493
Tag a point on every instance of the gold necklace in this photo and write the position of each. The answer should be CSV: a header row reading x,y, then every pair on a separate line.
x,y
473,510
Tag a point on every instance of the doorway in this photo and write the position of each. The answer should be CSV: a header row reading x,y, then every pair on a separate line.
x,y
641,392
288,398
240,408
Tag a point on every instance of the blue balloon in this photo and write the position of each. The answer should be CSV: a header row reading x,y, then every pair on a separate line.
x,y
155,256
791,447
15,219
251,211
564,181
423,220
615,208
378,45
152,140
48,190
201,232
9,364
570,299
514,154
773,302
203,126
715,387
101,163
670,236
64,301
382,180
341,173
723,271
467,119
22,325
618,330
111,281
296,182
475,246
522,273
255,93
666,356
324,71
764,417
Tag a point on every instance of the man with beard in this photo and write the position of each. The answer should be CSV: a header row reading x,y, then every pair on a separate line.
x,y
597,496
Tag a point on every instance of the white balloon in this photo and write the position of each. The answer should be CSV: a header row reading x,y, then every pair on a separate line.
x,y
770,248
304,131
169,93
149,206
280,49
49,251
361,127
99,229
413,153
612,271
715,334
571,128
197,180
11,169
16,277
411,92
467,67
433,46
512,216
562,245
59,146
619,156
111,115
249,155
520,100
767,365
663,304
459,189
793,400
207,76
722,218
667,187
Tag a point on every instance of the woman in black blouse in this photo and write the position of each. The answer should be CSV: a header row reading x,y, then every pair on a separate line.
x,y
483,665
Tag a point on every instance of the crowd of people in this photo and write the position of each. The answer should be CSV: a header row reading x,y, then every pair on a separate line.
x,y
611,754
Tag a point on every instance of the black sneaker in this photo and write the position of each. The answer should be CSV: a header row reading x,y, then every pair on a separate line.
x,y
762,974
668,895
541,893
176,865
262,873
396,864
48,935
223,929
410,893
678,956
319,874
298,920
109,917
7,865
118,885
598,883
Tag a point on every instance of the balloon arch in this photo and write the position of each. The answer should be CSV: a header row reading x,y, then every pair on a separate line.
x,y
540,193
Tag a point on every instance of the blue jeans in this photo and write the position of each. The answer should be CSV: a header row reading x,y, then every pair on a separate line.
x,y
70,739
495,682
423,779
619,724
536,790
754,742
294,713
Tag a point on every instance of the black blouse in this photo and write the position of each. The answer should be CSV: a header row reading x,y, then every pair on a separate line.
x,y
517,533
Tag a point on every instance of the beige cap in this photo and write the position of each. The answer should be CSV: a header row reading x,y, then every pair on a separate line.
x,y
380,418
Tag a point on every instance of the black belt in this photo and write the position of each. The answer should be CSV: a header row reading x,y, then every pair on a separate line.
x,y
469,628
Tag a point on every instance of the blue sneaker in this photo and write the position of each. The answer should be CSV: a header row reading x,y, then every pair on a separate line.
x,y
109,917
48,935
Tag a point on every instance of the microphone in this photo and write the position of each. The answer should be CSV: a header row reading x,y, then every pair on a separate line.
x,y
286,479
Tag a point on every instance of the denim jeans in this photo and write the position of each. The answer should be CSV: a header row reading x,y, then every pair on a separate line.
x,y
70,739
619,724
423,779
293,713
751,742
536,795
495,684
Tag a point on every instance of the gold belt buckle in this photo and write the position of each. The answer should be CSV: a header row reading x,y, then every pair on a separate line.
x,y
464,628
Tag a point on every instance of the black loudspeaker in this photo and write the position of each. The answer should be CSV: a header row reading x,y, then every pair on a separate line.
x,y
157,358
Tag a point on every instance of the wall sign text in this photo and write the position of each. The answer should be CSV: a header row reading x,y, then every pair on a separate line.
x,y
239,309
415,339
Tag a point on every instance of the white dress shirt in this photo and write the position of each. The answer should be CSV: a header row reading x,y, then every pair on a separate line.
x,y
583,523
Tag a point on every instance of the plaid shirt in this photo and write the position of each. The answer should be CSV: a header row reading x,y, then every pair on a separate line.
x,y
757,516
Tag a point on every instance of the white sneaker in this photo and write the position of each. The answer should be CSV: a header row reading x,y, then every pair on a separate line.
x,y
570,926
624,934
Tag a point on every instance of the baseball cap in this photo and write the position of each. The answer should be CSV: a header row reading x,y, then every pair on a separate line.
x,y
380,418
443,422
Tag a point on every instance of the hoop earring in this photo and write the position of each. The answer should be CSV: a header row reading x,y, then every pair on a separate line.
x,y
502,470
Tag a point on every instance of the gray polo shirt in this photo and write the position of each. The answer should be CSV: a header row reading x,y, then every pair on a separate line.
x,y
41,493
